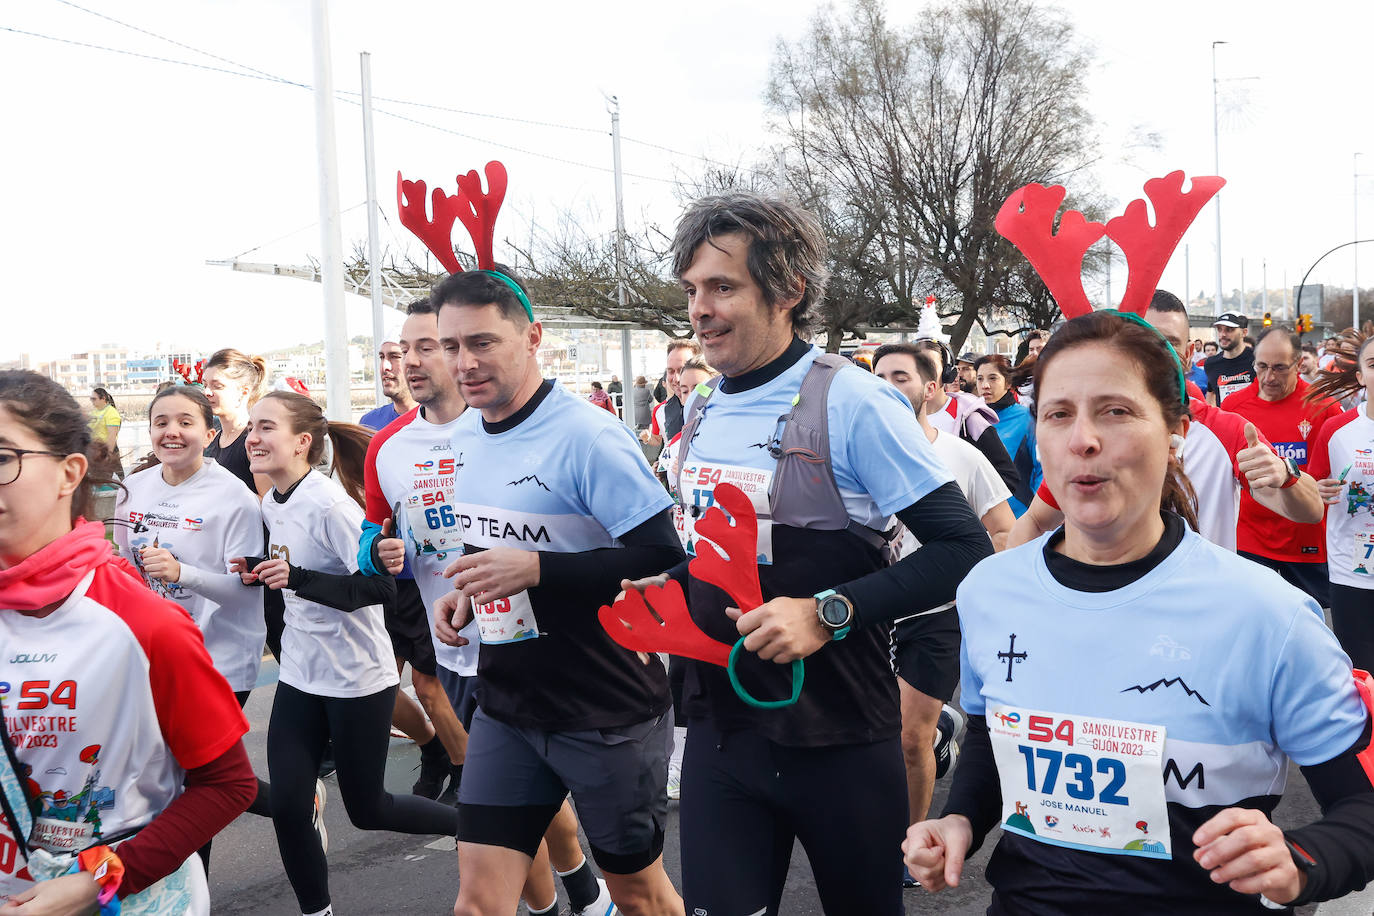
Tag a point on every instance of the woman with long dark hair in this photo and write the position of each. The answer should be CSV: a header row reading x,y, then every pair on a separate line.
x,y
1344,468
1015,425
338,677
1136,692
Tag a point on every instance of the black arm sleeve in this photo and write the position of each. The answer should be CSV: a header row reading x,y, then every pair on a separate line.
x,y
343,593
952,541
990,444
648,550
679,573
1342,842
976,792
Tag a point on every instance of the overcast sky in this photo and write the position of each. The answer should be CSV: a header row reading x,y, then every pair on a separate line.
x,y
123,175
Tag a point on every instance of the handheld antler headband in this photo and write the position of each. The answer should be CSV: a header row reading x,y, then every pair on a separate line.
x,y
475,209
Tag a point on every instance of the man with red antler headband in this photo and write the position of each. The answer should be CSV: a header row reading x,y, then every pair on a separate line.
x,y
554,505
825,455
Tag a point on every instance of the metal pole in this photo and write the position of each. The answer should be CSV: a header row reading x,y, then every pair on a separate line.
x,y
1287,312
1297,304
374,245
1264,279
626,366
1187,277
1216,149
336,377
1355,301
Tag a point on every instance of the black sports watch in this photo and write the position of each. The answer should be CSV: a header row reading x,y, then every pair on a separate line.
x,y
835,612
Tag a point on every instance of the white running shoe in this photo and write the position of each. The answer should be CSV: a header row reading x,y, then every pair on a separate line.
x,y
317,817
602,906
674,781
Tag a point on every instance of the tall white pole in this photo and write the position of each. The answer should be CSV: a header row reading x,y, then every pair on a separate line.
x,y
374,244
1244,302
1264,279
1287,313
1216,149
622,294
336,380
1355,303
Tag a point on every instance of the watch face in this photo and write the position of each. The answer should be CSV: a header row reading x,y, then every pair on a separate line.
x,y
835,611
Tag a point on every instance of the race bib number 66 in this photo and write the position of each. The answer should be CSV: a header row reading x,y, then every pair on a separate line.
x,y
1082,782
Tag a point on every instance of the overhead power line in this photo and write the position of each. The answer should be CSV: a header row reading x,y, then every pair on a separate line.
x,y
245,70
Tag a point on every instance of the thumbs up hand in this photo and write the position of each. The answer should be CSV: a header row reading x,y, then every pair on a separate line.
x,y
391,550
1259,463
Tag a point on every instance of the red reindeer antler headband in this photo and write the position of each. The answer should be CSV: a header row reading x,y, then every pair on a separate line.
x,y
184,370
475,209
1027,221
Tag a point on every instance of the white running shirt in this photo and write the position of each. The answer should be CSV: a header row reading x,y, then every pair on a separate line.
x,y
326,652
206,521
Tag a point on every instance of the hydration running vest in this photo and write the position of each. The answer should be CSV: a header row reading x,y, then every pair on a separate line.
x,y
803,493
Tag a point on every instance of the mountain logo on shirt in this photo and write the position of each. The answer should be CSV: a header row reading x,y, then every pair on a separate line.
x,y
527,479
1168,682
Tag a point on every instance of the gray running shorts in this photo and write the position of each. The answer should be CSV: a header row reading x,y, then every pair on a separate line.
x,y
617,777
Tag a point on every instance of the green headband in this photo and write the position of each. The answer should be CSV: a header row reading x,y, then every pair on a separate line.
x,y
515,288
1178,362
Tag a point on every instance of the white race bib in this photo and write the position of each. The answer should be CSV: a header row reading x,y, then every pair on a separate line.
x,y
506,620
697,494
435,530
1082,782
1362,562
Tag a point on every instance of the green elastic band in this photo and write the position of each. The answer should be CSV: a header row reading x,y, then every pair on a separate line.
x,y
798,678
515,288
1178,362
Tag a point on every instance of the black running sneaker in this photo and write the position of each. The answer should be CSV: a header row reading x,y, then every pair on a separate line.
x,y
433,770
948,731
455,778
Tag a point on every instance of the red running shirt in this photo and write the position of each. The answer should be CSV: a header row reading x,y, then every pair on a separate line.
x,y
1292,425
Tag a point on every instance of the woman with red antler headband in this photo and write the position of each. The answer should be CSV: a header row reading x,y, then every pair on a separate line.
x,y
1136,692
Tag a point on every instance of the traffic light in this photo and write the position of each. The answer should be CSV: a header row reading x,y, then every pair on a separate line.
x,y
1268,321
1304,323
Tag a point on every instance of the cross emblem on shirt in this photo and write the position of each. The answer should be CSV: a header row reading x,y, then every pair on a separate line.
x,y
1011,656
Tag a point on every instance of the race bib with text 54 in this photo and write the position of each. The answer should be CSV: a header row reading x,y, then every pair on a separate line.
x,y
1082,782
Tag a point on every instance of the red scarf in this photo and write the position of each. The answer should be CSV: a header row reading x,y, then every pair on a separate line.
x,y
50,575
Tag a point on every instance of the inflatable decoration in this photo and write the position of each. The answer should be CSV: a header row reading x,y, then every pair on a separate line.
x,y
658,619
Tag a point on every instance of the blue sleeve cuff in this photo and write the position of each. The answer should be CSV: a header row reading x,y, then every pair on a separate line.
x,y
371,531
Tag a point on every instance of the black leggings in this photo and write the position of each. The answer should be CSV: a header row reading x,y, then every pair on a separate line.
x,y
745,800
1352,619
360,727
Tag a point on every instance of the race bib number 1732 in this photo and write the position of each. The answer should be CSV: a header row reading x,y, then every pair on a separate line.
x,y
1082,782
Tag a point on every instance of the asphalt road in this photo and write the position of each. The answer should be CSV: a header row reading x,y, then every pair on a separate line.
x,y
386,873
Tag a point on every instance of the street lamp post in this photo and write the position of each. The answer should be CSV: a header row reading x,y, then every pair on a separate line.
x,y
1355,294
1216,150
